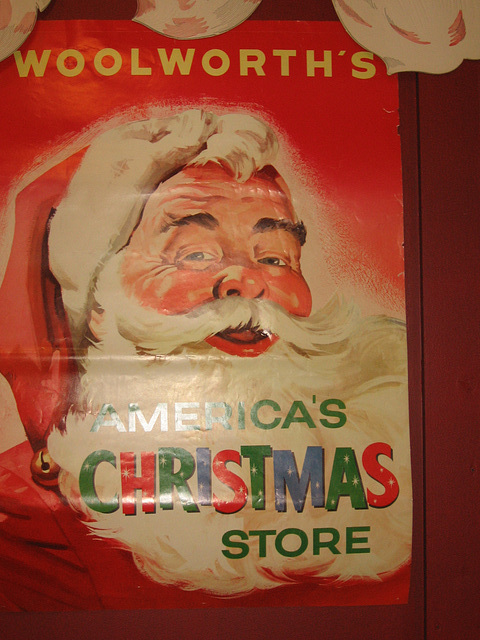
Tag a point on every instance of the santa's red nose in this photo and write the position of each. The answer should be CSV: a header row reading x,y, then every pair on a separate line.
x,y
237,280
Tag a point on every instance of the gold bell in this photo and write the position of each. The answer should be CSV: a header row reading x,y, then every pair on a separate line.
x,y
44,469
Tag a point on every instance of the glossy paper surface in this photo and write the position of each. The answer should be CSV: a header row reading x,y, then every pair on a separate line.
x,y
203,329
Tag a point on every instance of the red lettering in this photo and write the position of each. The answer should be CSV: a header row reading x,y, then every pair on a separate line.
x,y
379,473
231,480
132,482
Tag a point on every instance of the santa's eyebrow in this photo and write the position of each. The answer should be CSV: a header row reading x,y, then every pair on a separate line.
x,y
297,229
202,218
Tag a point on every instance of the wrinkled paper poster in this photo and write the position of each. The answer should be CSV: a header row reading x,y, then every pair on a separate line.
x,y
203,348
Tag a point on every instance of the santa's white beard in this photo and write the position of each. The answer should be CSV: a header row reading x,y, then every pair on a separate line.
x,y
146,359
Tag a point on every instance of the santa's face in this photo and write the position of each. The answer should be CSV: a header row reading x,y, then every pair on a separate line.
x,y
204,236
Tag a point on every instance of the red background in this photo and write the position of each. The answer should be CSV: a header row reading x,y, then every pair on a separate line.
x,y
345,127
440,127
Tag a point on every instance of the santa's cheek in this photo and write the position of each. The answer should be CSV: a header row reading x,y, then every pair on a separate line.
x,y
176,292
290,291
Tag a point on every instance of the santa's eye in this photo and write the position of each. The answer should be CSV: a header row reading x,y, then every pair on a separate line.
x,y
198,260
199,256
273,261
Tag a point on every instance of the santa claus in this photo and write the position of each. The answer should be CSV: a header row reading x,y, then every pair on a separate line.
x,y
177,249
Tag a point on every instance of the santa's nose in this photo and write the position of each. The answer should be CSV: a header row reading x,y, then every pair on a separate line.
x,y
239,281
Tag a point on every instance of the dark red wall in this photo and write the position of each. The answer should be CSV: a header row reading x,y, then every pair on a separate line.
x,y
449,199
440,129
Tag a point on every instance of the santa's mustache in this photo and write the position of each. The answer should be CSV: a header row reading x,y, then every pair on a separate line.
x,y
157,334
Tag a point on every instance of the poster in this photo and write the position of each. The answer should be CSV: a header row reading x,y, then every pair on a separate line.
x,y
203,347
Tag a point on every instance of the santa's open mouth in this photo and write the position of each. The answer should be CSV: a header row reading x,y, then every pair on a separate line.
x,y
245,340
244,334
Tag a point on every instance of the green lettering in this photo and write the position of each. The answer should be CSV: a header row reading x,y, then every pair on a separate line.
x,y
297,405
86,482
241,546
345,466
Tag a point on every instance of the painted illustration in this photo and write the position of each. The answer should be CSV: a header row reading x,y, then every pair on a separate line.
x,y
204,416
17,20
190,19
420,35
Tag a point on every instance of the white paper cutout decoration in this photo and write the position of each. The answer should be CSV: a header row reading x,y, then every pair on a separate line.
x,y
17,19
434,36
192,19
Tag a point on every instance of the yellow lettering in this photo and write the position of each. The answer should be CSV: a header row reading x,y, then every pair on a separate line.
x,y
360,60
325,64
101,68
73,71
137,70
284,55
32,62
252,59
224,62
176,60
